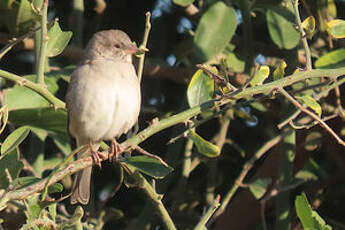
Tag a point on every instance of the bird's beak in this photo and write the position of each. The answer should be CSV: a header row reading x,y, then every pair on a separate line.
x,y
135,50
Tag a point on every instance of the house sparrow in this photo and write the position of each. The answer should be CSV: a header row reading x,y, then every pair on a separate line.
x,y
103,99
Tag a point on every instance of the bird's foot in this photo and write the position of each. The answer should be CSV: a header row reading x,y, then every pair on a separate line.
x,y
97,156
114,150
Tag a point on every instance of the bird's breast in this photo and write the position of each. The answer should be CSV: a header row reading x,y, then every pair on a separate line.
x,y
106,102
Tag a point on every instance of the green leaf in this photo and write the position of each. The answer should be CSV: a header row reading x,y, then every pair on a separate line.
x,y
52,211
10,162
204,147
14,139
244,115
25,18
19,97
279,72
148,166
313,141
311,171
309,218
258,187
309,26
110,214
303,211
62,142
260,75
183,3
33,208
76,217
259,106
311,103
57,40
215,30
331,60
336,28
55,188
25,181
44,118
280,22
200,88
234,63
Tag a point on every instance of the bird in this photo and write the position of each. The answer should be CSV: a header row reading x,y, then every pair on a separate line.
x,y
103,99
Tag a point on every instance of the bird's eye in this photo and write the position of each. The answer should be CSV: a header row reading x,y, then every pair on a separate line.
x,y
117,46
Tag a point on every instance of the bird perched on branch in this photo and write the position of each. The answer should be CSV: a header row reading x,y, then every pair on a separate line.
x,y
103,99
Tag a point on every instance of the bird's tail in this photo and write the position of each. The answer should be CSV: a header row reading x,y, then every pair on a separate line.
x,y
81,183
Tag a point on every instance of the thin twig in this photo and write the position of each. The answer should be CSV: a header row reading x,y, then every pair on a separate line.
x,y
213,164
293,125
341,111
43,44
15,41
143,45
246,168
324,93
311,114
144,152
203,221
303,35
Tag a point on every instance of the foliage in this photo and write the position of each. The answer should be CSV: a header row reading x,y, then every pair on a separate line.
x,y
221,126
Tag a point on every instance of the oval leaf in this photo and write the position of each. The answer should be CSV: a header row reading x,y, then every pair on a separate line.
x,y
204,147
200,88
149,166
55,188
10,162
310,219
19,97
214,31
45,118
279,72
183,3
260,75
14,139
336,28
234,63
57,40
304,211
258,188
311,103
313,141
331,60
283,33
25,20
309,26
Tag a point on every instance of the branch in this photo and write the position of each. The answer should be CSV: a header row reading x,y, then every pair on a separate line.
x,y
43,44
303,35
246,168
157,127
38,88
202,223
311,114
143,45
324,93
